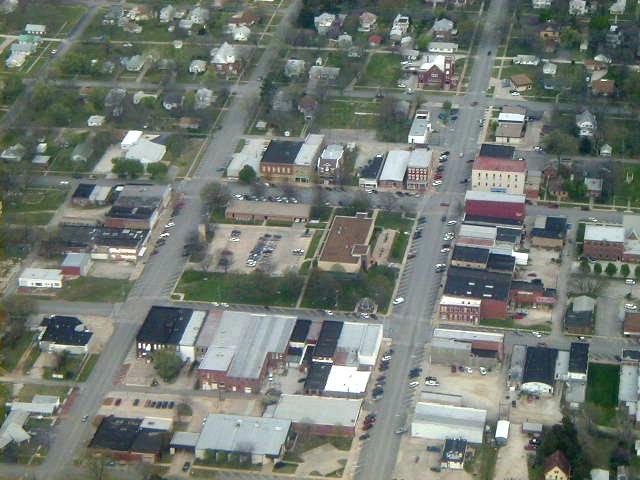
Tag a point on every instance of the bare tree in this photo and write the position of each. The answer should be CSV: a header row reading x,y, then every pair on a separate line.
x,y
583,285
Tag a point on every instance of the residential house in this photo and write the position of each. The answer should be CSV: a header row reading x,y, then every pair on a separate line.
x,y
95,121
13,153
605,87
586,123
324,22
367,21
618,7
594,186
64,334
444,29
606,150
246,18
40,278
549,68
521,82
294,68
330,161
203,98
35,29
577,7
241,33
399,28
550,31
442,47
526,60
166,13
538,4
307,105
224,59
282,101
437,71
579,319
197,66
113,15
134,63
82,152
199,15
557,467
172,101
614,36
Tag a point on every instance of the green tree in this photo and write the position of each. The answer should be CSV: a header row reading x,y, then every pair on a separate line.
x,y
597,269
569,37
625,270
127,168
15,310
446,106
157,170
611,269
247,175
215,195
560,143
636,271
599,22
423,41
167,363
585,267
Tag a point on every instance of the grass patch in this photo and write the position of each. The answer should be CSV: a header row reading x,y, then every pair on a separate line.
x,y
483,463
30,218
508,72
348,113
313,246
30,389
286,468
511,323
398,247
11,354
254,289
58,16
202,473
383,70
309,441
602,384
36,200
94,289
88,367
32,357
69,366
394,221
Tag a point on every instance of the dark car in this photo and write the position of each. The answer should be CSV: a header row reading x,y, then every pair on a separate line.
x,y
381,377
433,448
454,369
364,436
367,426
436,469
302,380
446,152
443,218
136,402
186,466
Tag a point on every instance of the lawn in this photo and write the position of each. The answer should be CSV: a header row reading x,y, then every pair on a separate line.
x,y
483,463
309,441
602,384
57,16
394,221
94,289
69,368
511,323
12,353
254,289
36,200
510,70
30,389
347,113
313,246
383,70
29,218
88,366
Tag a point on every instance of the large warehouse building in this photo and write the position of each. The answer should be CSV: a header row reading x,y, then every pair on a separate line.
x,y
439,422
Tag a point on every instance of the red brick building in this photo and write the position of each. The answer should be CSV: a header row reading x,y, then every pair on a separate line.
x,y
495,205
604,242
419,169
438,71
460,310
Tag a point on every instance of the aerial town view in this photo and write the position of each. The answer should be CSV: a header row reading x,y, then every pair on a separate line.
x,y
302,239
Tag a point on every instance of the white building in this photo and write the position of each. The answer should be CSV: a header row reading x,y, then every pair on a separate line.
x,y
146,151
442,47
197,66
420,128
35,29
131,137
346,381
439,422
586,123
95,121
324,22
537,4
40,278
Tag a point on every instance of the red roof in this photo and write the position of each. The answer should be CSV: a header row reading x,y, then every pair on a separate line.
x,y
486,345
499,164
557,459
375,38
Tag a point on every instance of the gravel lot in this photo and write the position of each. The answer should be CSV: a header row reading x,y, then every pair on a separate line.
x,y
512,457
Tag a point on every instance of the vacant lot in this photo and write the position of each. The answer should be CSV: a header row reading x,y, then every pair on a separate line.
x,y
35,206
602,384
94,289
382,70
348,113
59,17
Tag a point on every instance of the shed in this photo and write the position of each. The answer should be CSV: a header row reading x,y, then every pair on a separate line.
x,y
502,432
531,427
76,264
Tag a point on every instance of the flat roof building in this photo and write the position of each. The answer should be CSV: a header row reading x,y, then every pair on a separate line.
x,y
347,243
260,211
346,382
420,128
440,422
138,206
370,173
40,278
323,415
61,333
500,151
394,170
126,439
539,373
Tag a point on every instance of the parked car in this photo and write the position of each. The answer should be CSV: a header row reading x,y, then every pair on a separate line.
x,y
433,448
364,436
398,301
186,466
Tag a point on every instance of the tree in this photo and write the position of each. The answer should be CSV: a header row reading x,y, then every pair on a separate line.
x,y
225,260
127,168
625,270
564,437
16,310
584,285
446,106
423,41
597,269
360,202
560,143
167,363
585,267
636,271
215,195
569,37
247,175
585,145
611,269
157,170
267,89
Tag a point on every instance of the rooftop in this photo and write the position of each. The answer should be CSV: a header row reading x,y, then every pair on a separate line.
x,y
500,151
468,335
450,415
164,326
540,365
631,323
317,376
604,233
126,434
395,166
499,164
549,227
328,339
421,123
494,197
345,234
578,357
282,151
81,235
464,253
298,210
310,149
343,379
41,274
63,330
513,130
502,262
420,158
478,284
300,330
373,168
240,433
318,410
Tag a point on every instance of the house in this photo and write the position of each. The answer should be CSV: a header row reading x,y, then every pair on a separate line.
x,y
16,59
113,15
292,160
604,87
330,161
375,40
604,242
347,244
444,29
453,454
577,7
586,123
538,4
134,63
259,438
294,68
557,467
95,121
367,21
185,24
370,173
188,123
539,374
549,231
614,37
114,101
394,170
324,22
64,334
526,60
594,186
172,101
511,125
550,31
246,18
166,13
170,328
399,28
507,206
14,153
203,98
549,68
437,71
35,29
442,47
224,59
199,15
146,151
420,128
579,318
493,174
87,194
40,278
82,152
439,422
228,364
77,264
282,101
307,105
618,7
606,150
419,169
521,82
241,33
197,66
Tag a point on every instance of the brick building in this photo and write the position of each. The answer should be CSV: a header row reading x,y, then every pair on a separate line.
x,y
604,242
492,174
438,71
495,205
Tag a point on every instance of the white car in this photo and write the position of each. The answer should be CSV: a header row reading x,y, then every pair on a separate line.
x,y
515,93
593,219
238,196
483,371
452,222
64,182
398,301
224,305
170,225
536,334
164,235
445,250
436,183
468,369
432,383
234,239
386,358
414,384
328,312
441,265
630,306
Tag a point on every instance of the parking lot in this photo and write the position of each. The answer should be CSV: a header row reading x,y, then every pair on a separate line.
x,y
243,248
414,461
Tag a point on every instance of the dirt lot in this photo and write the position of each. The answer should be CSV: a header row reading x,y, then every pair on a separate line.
x,y
478,391
545,410
71,213
118,270
414,461
512,457
540,264
282,258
